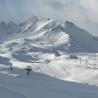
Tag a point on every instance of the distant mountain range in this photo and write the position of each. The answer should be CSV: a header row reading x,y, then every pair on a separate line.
x,y
52,35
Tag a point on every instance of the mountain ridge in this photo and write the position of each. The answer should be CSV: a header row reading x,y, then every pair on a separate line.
x,y
79,39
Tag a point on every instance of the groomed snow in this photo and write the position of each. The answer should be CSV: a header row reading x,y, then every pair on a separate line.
x,y
41,86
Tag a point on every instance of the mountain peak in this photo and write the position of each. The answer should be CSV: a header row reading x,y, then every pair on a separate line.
x,y
32,19
69,24
80,40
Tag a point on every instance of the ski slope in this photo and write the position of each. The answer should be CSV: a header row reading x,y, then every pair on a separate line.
x,y
41,86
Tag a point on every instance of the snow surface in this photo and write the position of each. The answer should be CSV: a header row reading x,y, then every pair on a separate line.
x,y
41,86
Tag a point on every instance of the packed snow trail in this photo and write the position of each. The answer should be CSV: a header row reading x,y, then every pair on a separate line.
x,y
8,93
42,86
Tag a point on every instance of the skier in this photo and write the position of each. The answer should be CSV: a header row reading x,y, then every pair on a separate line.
x,y
28,69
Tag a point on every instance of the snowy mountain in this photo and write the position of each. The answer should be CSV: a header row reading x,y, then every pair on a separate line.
x,y
67,37
47,46
28,25
80,40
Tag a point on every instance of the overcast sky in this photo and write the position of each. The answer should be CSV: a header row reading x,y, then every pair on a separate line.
x,y
82,12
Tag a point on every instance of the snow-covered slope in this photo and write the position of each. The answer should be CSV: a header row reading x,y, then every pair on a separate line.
x,y
15,84
29,52
80,40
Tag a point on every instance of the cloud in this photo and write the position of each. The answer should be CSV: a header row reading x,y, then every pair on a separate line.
x,y
54,5
91,9
82,12
90,5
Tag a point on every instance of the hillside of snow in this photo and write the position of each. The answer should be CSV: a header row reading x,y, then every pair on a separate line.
x,y
16,84
42,58
80,40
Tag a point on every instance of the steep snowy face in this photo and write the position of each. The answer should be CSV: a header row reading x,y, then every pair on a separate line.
x,y
29,25
59,38
46,33
10,31
80,40
46,39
